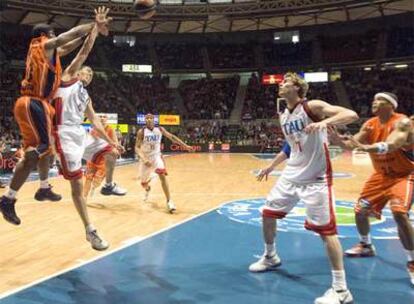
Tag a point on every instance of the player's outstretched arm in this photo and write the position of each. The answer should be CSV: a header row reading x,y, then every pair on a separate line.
x,y
175,139
138,145
83,53
101,20
70,47
396,140
66,37
348,142
280,158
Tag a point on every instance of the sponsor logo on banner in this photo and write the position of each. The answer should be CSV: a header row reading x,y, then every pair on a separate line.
x,y
248,211
225,147
176,148
170,120
7,163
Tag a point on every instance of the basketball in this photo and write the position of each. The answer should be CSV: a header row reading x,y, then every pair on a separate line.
x,y
145,8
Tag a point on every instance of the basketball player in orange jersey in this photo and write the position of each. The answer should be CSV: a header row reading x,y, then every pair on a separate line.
x,y
389,140
95,168
148,147
32,110
307,177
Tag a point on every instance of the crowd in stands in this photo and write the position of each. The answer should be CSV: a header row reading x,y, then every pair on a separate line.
x,y
224,56
288,54
265,134
179,56
128,95
401,42
260,100
324,91
209,98
214,99
362,85
346,48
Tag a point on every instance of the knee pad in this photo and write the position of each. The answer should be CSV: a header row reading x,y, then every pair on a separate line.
x,y
362,207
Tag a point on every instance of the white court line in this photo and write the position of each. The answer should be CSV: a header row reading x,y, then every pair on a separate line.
x,y
129,244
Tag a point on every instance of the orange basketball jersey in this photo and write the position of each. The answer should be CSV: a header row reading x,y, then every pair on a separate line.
x,y
109,131
42,77
397,163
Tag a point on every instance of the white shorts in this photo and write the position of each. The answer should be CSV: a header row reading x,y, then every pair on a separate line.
x,y
73,144
157,166
317,197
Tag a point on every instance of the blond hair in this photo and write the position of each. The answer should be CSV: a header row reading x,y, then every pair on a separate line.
x,y
299,82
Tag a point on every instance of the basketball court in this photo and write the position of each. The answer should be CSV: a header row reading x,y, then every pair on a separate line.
x,y
199,255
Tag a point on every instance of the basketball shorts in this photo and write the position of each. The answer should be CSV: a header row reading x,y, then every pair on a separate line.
x,y
157,166
73,144
379,189
318,199
95,170
34,117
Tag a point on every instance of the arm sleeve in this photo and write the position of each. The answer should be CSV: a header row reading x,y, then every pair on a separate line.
x,y
286,149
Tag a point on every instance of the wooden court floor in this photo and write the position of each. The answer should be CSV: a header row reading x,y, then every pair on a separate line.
x,y
51,237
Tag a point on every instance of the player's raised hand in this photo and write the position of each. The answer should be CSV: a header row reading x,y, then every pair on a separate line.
x,y
102,20
315,127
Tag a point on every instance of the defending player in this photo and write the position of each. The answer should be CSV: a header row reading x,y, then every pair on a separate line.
x,y
96,169
307,177
72,142
148,147
32,110
389,139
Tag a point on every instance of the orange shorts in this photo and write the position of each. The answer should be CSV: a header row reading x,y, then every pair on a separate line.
x,y
34,117
95,170
380,189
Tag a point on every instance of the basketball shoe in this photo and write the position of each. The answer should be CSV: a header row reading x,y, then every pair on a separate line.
x,y
46,194
113,189
361,250
171,206
332,296
266,263
8,210
96,241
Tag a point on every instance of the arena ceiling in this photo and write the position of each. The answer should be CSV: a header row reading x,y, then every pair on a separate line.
x,y
202,16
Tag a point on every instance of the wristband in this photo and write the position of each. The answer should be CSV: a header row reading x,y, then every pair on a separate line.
x,y
382,147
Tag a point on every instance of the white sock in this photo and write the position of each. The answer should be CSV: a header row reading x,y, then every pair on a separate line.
x,y
366,239
338,280
44,184
108,184
410,255
90,228
270,249
10,194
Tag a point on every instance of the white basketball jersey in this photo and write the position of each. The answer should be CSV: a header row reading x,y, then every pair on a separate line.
x,y
72,105
151,145
309,158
